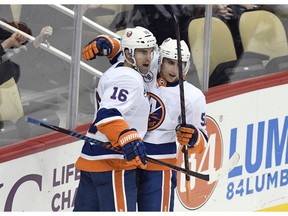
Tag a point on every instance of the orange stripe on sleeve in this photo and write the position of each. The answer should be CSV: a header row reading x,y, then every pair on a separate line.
x,y
112,130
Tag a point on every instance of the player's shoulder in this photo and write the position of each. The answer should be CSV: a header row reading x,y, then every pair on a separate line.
x,y
191,87
192,93
119,72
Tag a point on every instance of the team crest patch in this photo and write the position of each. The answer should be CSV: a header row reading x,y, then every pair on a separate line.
x,y
157,112
148,77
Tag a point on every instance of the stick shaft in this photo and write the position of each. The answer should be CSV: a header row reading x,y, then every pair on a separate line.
x,y
182,98
109,146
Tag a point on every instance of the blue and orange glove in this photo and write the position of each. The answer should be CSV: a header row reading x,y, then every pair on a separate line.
x,y
102,46
188,135
133,148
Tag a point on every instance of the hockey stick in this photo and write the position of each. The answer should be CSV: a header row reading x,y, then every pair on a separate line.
x,y
182,98
214,176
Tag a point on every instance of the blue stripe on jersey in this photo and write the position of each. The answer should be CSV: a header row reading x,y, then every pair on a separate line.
x,y
93,150
161,149
204,135
104,113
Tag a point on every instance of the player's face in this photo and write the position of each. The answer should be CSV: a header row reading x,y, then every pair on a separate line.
x,y
143,58
169,70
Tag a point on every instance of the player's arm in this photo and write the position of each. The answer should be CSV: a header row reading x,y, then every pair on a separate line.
x,y
102,45
194,134
111,123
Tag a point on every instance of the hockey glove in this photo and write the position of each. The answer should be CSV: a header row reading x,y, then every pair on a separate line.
x,y
101,45
133,148
188,135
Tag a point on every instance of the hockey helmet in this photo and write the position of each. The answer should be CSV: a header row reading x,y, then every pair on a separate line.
x,y
168,49
137,37
134,38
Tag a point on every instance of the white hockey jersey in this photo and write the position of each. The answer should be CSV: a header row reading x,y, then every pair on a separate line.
x,y
165,115
122,94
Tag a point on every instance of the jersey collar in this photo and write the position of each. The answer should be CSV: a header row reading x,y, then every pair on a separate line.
x,y
162,82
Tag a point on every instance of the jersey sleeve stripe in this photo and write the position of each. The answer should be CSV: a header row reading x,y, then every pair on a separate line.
x,y
103,114
112,130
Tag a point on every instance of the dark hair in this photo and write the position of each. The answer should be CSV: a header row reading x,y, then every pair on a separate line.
x,y
4,34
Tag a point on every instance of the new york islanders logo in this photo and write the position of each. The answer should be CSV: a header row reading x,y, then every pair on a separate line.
x,y
157,112
210,159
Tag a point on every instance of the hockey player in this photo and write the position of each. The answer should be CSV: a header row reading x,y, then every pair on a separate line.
x,y
108,182
156,183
